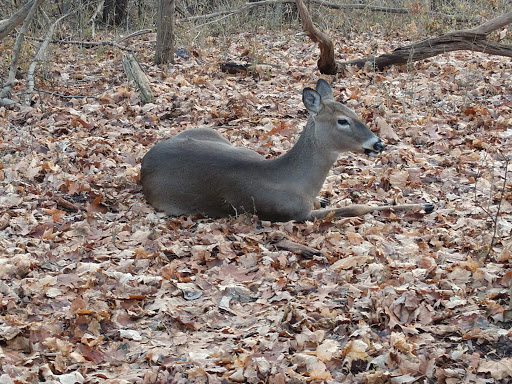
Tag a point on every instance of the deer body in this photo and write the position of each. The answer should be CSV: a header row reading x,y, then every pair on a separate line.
x,y
199,171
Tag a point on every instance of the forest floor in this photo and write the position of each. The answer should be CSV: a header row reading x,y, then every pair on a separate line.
x,y
97,287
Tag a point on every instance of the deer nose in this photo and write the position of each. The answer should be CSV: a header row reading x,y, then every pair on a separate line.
x,y
378,146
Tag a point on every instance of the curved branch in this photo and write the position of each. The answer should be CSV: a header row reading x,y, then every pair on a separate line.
x,y
326,62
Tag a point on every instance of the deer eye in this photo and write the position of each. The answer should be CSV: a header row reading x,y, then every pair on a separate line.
x,y
343,122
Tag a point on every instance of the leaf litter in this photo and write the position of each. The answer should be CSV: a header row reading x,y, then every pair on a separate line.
x,y
96,287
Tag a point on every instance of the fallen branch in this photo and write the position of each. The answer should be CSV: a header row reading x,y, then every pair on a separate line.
x,y
8,102
62,96
134,34
297,248
474,39
135,73
90,44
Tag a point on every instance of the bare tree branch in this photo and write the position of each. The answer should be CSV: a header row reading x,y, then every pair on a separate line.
x,y
326,62
372,8
6,90
6,26
99,7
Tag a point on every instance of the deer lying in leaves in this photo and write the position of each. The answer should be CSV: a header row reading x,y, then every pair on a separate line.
x,y
199,171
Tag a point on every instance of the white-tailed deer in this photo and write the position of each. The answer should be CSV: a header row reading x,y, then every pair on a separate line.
x,y
199,171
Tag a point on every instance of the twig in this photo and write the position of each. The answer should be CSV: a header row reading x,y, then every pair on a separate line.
x,y
212,21
134,34
89,44
475,198
297,248
66,96
495,219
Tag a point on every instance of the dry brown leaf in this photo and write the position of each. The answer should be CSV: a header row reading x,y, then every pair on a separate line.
x,y
386,132
327,350
350,262
498,369
355,350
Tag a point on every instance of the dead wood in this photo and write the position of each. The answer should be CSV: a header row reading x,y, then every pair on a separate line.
x,y
63,203
234,68
134,34
474,39
326,63
134,73
6,26
8,102
90,44
297,248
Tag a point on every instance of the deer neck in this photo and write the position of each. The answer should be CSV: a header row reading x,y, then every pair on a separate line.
x,y
307,164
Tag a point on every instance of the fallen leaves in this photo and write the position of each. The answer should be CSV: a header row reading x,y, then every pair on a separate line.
x,y
98,287
499,370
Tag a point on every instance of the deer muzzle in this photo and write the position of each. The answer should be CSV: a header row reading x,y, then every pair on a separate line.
x,y
375,150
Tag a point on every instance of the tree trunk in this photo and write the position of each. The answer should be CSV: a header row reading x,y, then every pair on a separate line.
x,y
165,32
114,12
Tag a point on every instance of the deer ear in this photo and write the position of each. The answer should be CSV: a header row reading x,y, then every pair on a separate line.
x,y
312,100
324,89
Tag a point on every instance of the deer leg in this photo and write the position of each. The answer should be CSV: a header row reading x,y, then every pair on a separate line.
x,y
361,209
320,203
